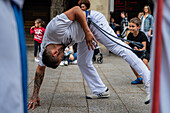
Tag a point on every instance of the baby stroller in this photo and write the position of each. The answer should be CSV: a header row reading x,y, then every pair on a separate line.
x,y
96,52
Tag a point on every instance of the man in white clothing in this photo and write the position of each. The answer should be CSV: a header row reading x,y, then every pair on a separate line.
x,y
71,27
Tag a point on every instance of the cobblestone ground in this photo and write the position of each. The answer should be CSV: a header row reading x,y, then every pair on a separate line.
x,y
64,89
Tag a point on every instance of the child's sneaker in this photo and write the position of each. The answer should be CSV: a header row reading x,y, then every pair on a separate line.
x,y
137,81
105,94
36,60
73,62
66,63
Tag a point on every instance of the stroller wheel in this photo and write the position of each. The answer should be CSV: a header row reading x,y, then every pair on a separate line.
x,y
100,60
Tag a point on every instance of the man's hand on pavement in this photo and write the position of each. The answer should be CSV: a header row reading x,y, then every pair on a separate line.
x,y
33,101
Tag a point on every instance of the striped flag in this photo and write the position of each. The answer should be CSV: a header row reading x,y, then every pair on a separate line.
x,y
161,58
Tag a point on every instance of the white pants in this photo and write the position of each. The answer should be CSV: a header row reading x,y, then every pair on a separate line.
x,y
11,96
85,58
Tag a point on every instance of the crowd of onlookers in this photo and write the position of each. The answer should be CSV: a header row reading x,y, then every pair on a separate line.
x,y
146,23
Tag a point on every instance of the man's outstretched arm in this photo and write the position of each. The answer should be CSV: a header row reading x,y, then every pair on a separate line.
x,y
76,13
39,76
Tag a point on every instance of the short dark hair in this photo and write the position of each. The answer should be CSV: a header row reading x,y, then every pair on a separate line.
x,y
86,2
123,12
136,21
49,60
39,20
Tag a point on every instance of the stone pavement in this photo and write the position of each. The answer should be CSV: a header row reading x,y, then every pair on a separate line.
x,y
64,89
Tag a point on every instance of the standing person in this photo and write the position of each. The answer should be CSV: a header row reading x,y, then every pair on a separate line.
x,y
13,59
113,25
84,4
147,22
71,27
124,23
138,36
160,64
38,31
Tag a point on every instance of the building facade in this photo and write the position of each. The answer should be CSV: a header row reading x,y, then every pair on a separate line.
x,y
47,9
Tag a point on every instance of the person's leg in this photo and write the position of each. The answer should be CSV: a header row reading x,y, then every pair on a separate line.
x,y
75,56
75,59
126,54
66,59
146,63
136,74
39,46
84,61
35,48
35,51
139,79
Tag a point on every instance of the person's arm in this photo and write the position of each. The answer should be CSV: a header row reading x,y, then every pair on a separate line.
x,y
150,30
144,46
76,13
71,57
39,76
32,30
128,38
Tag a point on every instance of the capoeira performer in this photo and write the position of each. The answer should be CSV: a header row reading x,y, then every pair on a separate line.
x,y
71,27
13,60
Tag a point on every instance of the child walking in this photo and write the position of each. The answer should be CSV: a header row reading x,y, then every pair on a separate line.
x,y
138,36
38,30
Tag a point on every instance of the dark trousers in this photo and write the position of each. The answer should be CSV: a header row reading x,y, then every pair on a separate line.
x,y
36,47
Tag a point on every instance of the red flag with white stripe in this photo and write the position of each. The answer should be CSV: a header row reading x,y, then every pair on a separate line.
x,y
161,58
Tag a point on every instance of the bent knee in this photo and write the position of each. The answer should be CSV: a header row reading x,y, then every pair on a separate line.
x,y
145,61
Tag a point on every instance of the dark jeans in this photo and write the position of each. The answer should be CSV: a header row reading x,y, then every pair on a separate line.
x,y
36,47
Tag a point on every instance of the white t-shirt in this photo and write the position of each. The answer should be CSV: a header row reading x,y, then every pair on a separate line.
x,y
142,26
61,30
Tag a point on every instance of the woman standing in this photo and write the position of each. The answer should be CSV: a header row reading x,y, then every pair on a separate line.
x,y
147,22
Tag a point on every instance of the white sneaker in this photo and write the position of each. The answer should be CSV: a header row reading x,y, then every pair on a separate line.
x,y
105,94
66,63
61,63
148,97
73,62
36,60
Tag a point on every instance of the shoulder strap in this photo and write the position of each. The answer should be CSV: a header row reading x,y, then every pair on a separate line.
x,y
88,16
